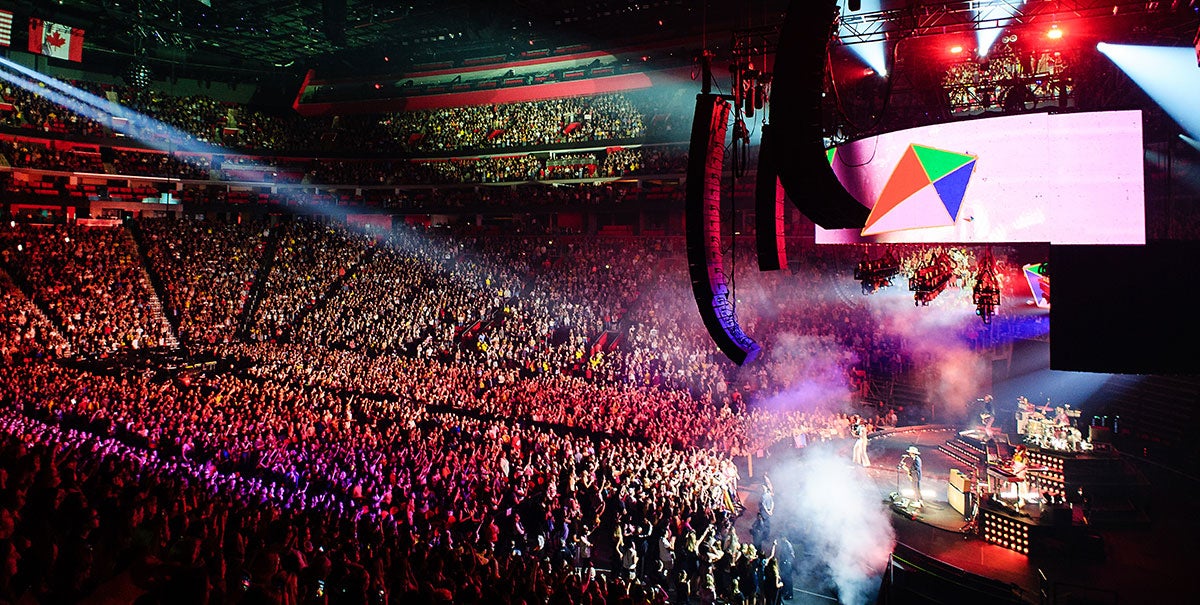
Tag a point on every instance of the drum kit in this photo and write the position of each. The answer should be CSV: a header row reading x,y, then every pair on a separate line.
x,y
1049,435
1048,432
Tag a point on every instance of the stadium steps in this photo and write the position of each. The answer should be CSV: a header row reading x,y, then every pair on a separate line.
x,y
265,264
334,287
879,391
155,292
153,278
909,393
604,341
27,289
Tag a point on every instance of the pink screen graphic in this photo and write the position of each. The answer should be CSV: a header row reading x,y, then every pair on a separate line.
x,y
1058,178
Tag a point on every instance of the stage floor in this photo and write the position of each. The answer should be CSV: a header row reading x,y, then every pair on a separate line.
x,y
1147,565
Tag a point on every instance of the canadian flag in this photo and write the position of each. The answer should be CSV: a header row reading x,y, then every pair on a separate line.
x,y
55,40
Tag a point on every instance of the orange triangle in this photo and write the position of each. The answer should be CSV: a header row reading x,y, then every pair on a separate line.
x,y
907,178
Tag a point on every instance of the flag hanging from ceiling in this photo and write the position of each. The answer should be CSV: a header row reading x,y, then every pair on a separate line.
x,y
55,40
5,28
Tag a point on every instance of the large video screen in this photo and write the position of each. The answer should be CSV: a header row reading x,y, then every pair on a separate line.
x,y
1059,178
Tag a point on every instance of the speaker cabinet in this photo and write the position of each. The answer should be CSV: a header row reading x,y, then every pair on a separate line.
x,y
706,158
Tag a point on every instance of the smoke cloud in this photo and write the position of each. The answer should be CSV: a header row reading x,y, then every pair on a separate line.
x,y
834,515
934,336
813,368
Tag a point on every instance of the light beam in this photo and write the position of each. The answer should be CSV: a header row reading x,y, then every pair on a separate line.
x,y
1000,11
874,54
1168,74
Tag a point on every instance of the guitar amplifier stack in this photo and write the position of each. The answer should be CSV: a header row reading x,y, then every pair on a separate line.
x,y
960,491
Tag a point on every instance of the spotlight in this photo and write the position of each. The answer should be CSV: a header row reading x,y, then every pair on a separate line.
x,y
956,50
137,75
1055,33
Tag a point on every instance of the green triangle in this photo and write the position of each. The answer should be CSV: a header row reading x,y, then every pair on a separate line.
x,y
829,153
939,162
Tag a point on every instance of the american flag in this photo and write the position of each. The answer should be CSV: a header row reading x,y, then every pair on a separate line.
x,y
5,28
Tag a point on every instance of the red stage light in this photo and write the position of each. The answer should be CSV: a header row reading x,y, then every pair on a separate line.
x,y
955,50
1055,33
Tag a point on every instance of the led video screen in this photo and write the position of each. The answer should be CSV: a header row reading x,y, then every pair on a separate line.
x,y
1058,178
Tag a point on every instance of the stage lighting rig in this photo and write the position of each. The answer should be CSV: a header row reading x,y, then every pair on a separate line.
x,y
930,280
986,293
877,273
138,73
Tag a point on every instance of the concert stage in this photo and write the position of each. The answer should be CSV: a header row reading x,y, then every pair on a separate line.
x,y
1085,557
1098,557
1110,491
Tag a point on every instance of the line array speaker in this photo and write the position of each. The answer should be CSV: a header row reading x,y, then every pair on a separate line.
x,y
706,158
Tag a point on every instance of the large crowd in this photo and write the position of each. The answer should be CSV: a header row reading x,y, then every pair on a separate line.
x,y
420,415
409,413
90,282
195,121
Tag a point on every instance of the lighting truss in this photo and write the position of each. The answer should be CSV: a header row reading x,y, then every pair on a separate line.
x,y
928,281
878,273
936,18
976,85
986,293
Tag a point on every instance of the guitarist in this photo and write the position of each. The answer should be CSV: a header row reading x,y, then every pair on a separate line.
x,y
911,462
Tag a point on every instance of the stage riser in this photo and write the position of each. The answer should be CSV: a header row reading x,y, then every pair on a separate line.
x,y
959,457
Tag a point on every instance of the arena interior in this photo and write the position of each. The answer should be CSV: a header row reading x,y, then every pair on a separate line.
x,y
599,302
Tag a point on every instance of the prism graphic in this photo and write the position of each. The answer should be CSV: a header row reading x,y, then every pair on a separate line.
x,y
926,189
1038,277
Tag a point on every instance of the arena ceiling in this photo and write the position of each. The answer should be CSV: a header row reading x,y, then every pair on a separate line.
x,y
250,36
248,39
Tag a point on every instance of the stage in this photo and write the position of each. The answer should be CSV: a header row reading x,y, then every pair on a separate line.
x,y
1133,563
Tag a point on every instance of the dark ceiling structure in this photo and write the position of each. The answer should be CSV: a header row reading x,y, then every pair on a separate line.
x,y
277,41
250,38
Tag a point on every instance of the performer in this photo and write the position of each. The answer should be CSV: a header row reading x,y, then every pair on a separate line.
x,y
859,429
1020,464
988,415
911,462
1025,413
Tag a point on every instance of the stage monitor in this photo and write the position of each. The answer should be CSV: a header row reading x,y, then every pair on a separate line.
x,y
1072,179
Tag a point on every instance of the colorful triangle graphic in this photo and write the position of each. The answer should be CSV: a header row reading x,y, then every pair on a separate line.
x,y
1039,285
939,162
953,187
926,189
924,208
830,154
907,178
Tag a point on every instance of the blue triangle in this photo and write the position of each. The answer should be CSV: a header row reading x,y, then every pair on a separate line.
x,y
952,187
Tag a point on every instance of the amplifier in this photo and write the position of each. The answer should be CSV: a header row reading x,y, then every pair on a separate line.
x,y
959,492
959,501
961,481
